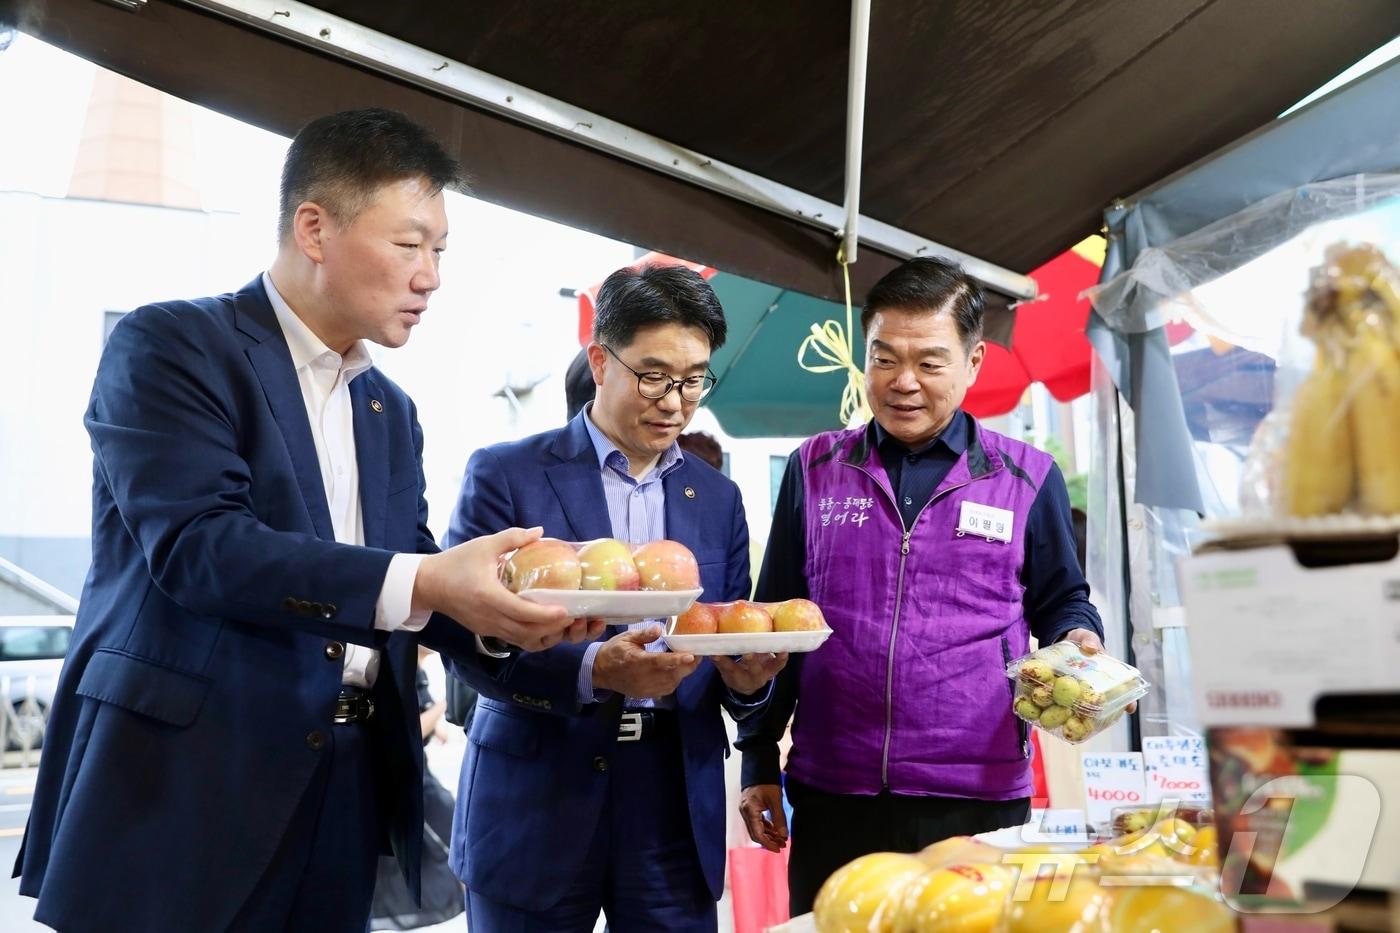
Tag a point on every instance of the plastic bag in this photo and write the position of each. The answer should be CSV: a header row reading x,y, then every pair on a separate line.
x,y
1342,452
603,564
747,617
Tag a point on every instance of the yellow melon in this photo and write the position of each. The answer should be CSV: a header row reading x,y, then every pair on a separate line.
x,y
863,895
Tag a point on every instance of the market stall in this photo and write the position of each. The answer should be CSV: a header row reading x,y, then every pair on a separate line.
x,y
993,136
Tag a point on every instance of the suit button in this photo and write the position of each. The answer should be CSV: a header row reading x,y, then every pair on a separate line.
x,y
316,740
600,764
335,650
290,604
315,609
303,606
328,611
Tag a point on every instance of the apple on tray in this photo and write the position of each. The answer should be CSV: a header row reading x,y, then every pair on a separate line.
x,y
607,565
744,617
546,564
667,565
699,619
798,615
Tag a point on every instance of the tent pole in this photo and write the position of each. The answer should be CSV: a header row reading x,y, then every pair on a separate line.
x,y
855,124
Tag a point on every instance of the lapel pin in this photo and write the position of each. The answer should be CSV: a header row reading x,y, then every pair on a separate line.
x,y
376,405
690,492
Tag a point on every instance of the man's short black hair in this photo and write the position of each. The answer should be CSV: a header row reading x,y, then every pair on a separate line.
x,y
704,446
341,160
930,285
656,293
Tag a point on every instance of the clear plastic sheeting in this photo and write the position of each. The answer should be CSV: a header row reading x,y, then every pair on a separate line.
x,y
1134,588
1165,283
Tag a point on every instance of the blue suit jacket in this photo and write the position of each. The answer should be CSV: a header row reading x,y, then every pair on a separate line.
x,y
530,795
179,740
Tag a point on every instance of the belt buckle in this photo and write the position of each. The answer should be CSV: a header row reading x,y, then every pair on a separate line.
x,y
353,709
629,727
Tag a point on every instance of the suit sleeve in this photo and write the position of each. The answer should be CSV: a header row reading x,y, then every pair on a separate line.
x,y
783,577
739,585
543,680
165,433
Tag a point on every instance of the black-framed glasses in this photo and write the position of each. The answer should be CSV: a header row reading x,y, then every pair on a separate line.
x,y
654,385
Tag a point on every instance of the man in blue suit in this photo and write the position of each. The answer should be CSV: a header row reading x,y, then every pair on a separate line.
x,y
594,780
235,736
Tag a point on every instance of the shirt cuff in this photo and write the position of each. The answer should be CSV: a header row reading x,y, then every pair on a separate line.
x,y
493,647
586,693
752,700
394,610
760,766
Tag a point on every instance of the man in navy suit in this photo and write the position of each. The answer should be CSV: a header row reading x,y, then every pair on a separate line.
x,y
594,780
235,734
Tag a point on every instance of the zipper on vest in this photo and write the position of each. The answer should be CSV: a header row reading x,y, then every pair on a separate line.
x,y
898,602
889,662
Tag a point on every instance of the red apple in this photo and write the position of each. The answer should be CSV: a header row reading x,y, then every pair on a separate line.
x,y
798,615
667,565
546,564
744,616
607,565
699,619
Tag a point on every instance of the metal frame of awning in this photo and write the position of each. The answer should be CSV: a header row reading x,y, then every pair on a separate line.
x,y
385,54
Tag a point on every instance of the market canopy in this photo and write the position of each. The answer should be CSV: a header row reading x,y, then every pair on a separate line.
x,y
997,129
1338,155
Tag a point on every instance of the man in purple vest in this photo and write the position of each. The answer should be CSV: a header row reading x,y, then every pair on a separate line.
x,y
904,733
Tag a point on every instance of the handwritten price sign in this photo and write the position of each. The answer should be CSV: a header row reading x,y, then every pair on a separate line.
x,y
1176,769
1112,780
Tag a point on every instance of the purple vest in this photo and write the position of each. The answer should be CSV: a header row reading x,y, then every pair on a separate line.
x,y
910,691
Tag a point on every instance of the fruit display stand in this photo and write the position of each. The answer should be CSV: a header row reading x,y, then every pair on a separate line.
x,y
1295,646
1131,885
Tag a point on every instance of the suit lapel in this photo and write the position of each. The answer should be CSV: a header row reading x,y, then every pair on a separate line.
x,y
272,361
578,484
371,453
682,511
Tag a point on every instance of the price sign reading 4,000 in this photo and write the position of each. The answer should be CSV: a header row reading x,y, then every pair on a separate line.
x,y
1113,780
1113,795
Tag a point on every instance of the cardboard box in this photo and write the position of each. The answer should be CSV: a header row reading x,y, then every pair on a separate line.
x,y
1295,652
1270,635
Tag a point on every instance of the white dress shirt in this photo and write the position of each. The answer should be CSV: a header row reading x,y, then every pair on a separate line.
x,y
325,377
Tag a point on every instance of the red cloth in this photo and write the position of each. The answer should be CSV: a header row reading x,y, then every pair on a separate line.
x,y
1040,789
1047,342
758,888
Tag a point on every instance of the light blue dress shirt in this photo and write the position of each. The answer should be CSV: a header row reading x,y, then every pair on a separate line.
x,y
637,510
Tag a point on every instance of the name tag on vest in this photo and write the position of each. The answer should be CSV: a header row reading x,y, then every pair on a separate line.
x,y
984,521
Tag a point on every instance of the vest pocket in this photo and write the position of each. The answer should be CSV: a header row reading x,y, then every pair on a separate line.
x,y
1023,728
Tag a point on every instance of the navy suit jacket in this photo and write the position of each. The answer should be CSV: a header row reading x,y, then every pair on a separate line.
x,y
531,791
185,727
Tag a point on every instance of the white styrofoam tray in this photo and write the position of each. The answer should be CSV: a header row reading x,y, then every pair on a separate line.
x,y
616,605
747,642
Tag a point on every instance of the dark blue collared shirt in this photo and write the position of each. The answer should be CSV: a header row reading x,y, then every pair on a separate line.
x,y
1056,598
915,474
1057,595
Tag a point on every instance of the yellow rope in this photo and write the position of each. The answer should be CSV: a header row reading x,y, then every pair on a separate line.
x,y
835,344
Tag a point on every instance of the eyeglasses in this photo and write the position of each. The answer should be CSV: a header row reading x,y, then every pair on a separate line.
x,y
659,385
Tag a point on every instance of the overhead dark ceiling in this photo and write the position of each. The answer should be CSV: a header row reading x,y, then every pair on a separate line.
x,y
1000,129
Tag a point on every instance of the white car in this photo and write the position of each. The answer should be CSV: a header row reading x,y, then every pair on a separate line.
x,y
31,654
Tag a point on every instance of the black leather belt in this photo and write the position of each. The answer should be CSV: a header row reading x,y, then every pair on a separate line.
x,y
637,725
353,705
